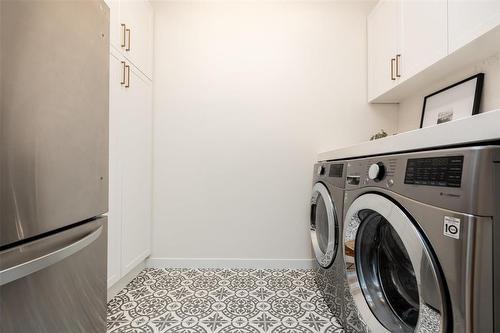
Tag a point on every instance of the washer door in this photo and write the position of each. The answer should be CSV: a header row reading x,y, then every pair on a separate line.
x,y
324,225
392,276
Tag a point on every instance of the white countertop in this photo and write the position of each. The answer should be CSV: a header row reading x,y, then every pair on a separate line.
x,y
482,127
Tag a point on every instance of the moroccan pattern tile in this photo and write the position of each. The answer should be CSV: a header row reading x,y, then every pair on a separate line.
x,y
221,301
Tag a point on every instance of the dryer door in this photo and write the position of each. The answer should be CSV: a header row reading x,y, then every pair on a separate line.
x,y
391,271
324,225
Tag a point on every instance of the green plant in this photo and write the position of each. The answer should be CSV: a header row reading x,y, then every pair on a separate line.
x,y
379,135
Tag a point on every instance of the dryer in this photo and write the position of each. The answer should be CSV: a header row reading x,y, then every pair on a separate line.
x,y
421,241
326,232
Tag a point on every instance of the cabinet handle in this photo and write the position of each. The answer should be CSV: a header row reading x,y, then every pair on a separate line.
x,y
398,59
392,69
128,76
19,271
124,29
123,74
128,44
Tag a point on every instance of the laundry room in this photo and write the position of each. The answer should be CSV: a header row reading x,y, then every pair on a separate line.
x,y
255,166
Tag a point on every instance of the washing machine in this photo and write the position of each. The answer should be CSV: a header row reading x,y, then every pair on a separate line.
x,y
421,242
326,232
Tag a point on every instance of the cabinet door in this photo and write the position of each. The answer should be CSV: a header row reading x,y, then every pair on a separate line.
x,y
116,105
423,35
136,146
468,20
137,15
115,30
383,26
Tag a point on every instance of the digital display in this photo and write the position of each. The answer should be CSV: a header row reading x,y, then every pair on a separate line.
x,y
336,170
435,171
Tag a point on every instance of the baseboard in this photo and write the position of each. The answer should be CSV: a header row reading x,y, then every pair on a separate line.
x,y
122,283
136,261
229,263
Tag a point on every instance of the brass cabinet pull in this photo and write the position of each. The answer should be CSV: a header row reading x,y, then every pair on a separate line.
x,y
398,57
124,29
128,76
123,76
392,69
128,44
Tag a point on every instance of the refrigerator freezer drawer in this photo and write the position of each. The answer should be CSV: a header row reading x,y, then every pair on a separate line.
x,y
57,283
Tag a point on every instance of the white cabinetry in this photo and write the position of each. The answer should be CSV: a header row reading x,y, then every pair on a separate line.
x,y
116,36
130,148
468,20
137,16
383,46
136,160
116,104
411,43
130,168
404,37
423,35
131,30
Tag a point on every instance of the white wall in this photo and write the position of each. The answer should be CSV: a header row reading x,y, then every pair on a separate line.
x,y
246,95
410,109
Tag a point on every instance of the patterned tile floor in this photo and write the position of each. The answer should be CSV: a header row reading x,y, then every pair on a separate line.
x,y
221,300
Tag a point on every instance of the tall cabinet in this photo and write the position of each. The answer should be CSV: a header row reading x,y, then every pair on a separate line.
x,y
130,136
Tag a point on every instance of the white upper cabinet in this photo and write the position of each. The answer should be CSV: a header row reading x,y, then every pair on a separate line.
x,y
137,17
115,37
131,29
468,20
412,43
423,35
383,45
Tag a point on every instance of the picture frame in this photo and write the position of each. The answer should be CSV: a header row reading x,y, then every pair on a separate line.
x,y
457,101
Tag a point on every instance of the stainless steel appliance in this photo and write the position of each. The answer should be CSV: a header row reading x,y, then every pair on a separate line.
x,y
326,232
421,241
53,165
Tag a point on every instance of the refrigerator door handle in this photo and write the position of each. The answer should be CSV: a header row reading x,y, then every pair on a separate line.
x,y
19,271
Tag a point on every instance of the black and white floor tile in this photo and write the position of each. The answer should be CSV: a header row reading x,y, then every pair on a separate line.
x,y
221,300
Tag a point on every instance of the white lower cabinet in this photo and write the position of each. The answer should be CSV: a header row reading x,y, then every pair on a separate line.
x,y
116,92
130,168
136,157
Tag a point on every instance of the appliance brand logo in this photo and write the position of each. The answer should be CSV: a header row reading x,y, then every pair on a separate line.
x,y
451,227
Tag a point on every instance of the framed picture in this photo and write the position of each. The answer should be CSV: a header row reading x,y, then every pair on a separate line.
x,y
460,100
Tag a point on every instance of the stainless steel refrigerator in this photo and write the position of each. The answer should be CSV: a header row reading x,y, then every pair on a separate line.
x,y
54,60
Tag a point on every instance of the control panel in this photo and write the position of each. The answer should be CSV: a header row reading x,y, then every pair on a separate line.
x,y
321,170
457,179
376,171
435,171
336,170
331,173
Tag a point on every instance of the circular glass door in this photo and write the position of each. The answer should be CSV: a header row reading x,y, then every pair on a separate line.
x,y
324,225
390,269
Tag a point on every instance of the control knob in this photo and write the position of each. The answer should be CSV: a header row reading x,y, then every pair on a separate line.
x,y
376,171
